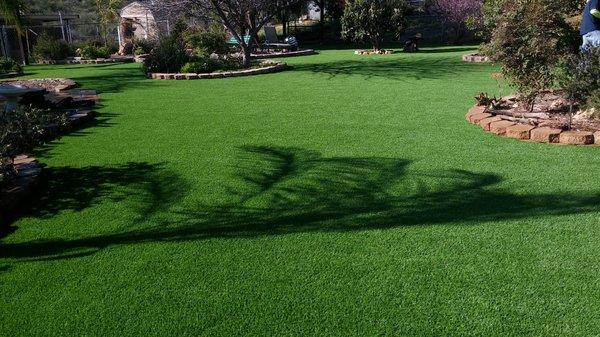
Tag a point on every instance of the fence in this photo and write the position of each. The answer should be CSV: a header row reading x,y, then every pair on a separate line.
x,y
22,48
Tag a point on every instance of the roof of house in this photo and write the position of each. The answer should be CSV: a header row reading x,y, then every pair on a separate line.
x,y
136,9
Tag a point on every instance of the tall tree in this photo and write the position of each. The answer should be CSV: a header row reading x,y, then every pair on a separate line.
x,y
108,12
240,17
372,20
12,11
328,8
457,14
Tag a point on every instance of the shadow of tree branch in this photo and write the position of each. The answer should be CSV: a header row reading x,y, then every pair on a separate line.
x,y
281,191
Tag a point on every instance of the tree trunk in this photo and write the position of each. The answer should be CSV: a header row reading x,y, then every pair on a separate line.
x,y
322,22
247,56
24,58
376,44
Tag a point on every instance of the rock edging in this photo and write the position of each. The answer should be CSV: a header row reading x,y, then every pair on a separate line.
x,y
194,76
476,58
303,52
478,115
374,52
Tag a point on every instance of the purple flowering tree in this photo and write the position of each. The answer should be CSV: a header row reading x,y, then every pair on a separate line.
x,y
240,17
457,14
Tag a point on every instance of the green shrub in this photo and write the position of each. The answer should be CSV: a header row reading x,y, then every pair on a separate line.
x,y
200,66
10,66
529,41
204,64
21,130
372,20
580,76
142,46
593,102
49,48
212,40
230,64
169,55
91,51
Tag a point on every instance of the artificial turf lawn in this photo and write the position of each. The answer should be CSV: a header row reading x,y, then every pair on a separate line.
x,y
347,196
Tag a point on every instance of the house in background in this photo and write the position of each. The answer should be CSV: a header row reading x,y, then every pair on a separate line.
x,y
137,22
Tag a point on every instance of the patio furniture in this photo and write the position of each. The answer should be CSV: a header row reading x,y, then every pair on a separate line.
x,y
272,41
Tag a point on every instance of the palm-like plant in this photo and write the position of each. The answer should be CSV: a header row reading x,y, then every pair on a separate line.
x,y
11,11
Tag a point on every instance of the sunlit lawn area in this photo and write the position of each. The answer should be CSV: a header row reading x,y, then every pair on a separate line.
x,y
346,196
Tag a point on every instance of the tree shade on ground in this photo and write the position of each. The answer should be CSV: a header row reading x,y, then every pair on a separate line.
x,y
347,196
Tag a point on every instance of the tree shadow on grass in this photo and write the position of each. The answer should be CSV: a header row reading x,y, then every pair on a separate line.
x,y
400,69
104,78
148,189
115,80
281,191
102,120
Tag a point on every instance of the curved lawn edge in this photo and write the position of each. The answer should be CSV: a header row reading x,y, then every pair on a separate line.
x,y
304,52
497,125
193,76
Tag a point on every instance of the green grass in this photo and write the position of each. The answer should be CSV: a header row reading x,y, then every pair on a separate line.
x,y
347,196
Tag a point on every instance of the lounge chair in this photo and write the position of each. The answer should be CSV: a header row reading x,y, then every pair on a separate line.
x,y
272,41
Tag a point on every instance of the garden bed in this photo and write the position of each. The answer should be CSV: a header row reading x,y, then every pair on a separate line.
x,y
476,58
303,52
265,69
28,170
118,59
549,122
374,52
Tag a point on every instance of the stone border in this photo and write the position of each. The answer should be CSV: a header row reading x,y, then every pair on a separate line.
x,y
70,84
193,76
67,83
476,58
303,52
495,124
96,61
372,52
